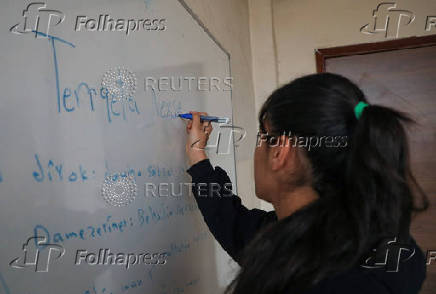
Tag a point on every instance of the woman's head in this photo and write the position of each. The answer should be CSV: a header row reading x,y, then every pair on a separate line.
x,y
358,166
316,113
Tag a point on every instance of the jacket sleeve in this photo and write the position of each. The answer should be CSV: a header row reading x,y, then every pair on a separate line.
x,y
231,223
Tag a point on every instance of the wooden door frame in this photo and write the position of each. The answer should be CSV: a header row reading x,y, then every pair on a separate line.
x,y
366,48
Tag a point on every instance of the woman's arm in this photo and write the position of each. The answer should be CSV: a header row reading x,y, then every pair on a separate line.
x,y
231,223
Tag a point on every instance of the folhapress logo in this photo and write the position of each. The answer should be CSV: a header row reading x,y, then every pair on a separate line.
x,y
37,18
34,257
105,23
390,255
388,20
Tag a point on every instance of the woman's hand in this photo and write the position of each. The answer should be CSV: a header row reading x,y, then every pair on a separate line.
x,y
198,134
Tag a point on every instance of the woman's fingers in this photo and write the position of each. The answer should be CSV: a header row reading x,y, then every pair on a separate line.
x,y
209,128
197,139
205,122
207,125
196,123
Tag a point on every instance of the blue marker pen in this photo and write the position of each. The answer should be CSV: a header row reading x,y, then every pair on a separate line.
x,y
207,118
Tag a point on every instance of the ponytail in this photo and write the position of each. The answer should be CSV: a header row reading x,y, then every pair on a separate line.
x,y
378,176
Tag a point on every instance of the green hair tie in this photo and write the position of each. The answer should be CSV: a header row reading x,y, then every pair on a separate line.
x,y
359,108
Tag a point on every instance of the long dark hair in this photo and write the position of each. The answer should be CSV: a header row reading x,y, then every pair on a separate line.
x,y
366,187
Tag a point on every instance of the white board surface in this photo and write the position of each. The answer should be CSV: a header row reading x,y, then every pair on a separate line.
x,y
78,113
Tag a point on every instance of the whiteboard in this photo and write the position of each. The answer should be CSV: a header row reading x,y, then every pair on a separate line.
x,y
88,120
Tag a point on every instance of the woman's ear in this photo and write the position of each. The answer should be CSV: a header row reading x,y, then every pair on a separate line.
x,y
282,153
